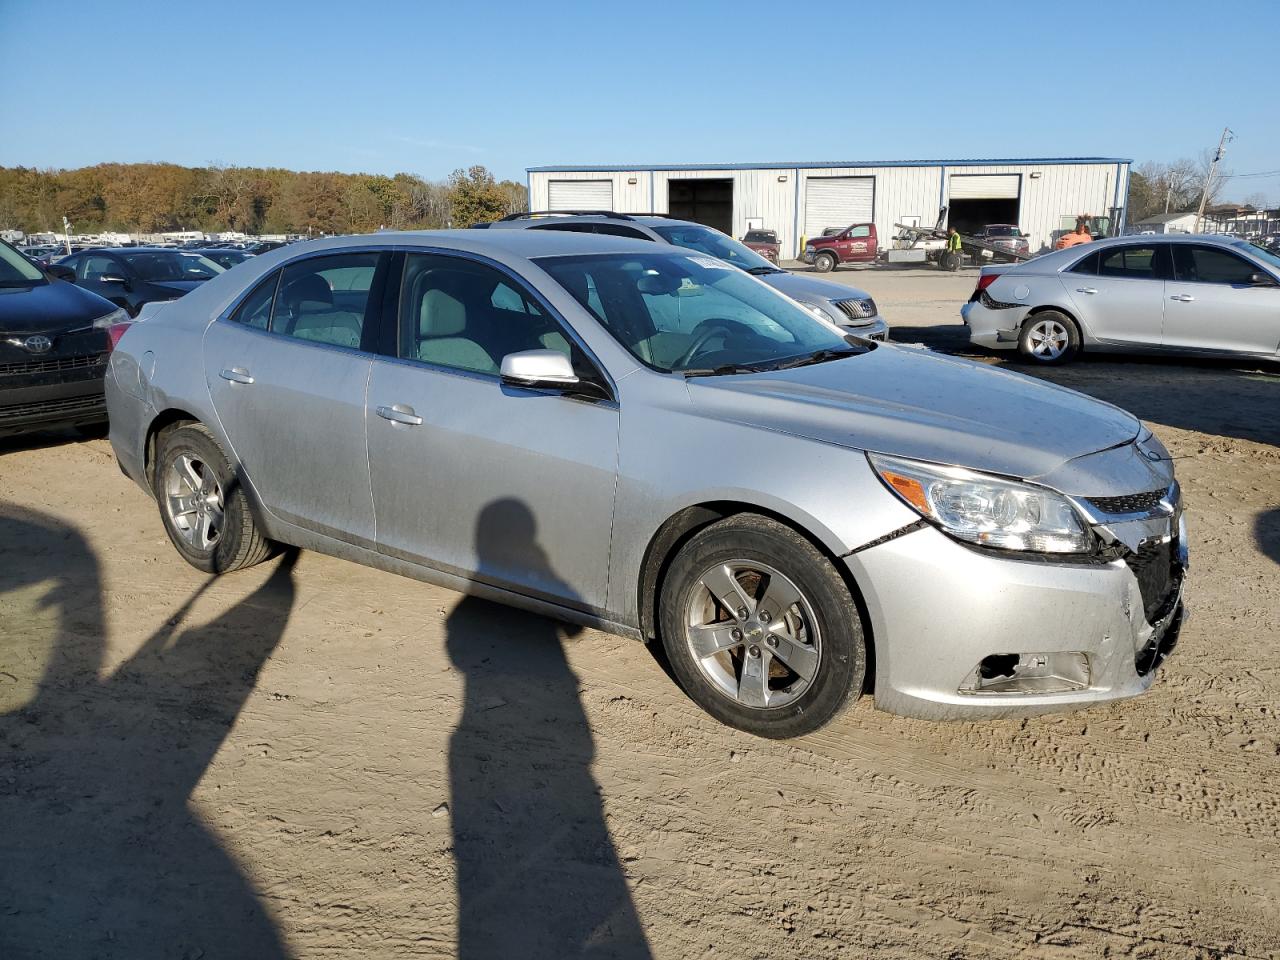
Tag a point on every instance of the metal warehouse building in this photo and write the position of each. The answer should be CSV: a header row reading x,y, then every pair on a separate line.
x,y
802,199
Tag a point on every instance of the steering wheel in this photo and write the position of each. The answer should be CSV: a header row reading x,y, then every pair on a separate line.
x,y
702,334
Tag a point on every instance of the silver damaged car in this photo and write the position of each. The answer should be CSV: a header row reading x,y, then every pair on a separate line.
x,y
644,439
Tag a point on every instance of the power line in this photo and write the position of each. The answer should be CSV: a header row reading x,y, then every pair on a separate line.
x,y
1250,176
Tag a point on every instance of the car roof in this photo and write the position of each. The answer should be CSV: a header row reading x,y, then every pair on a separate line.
x,y
644,219
523,244
1060,259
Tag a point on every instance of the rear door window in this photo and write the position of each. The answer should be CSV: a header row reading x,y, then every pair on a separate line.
x,y
1133,263
1088,266
325,299
255,311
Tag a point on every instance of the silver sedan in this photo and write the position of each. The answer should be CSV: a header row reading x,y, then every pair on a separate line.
x,y
647,440
1189,294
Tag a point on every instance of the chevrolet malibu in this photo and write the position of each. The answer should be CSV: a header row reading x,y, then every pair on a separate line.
x,y
649,441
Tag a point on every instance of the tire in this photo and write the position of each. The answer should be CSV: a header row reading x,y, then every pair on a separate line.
x,y
824,262
1049,338
756,561
204,510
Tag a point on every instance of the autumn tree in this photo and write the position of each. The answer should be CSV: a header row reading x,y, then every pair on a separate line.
x,y
475,197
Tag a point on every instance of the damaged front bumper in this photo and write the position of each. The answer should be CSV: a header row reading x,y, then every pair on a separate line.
x,y
964,633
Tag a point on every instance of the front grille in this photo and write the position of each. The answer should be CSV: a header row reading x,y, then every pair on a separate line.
x,y
70,405
1130,503
1157,571
52,365
857,309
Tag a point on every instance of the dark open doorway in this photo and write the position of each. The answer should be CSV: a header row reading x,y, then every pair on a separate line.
x,y
970,216
702,201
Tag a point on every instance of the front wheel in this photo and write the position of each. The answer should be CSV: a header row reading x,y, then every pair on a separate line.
x,y
760,629
1049,338
824,262
204,509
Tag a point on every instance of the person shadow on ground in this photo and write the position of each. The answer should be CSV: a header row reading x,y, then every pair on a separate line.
x,y
1267,533
537,873
101,854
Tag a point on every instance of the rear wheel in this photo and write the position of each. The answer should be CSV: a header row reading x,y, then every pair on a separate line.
x,y
204,509
1050,337
824,262
760,629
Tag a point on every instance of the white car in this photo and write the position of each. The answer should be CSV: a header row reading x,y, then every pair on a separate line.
x,y
1181,294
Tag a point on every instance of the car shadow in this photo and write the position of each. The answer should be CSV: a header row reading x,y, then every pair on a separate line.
x,y
101,852
1266,531
537,872
1227,398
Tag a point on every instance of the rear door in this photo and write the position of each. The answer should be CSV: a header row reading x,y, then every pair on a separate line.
x,y
1212,304
1118,292
287,371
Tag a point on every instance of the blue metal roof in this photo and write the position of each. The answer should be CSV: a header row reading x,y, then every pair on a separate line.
x,y
792,165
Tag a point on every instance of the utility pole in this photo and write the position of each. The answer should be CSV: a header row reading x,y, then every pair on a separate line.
x,y
1213,168
66,234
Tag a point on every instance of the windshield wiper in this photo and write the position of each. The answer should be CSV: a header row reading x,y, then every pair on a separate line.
x,y
820,356
723,370
762,271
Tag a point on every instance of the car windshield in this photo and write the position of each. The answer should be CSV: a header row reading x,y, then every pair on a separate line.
x,y
715,243
16,270
695,314
1261,253
1002,230
170,265
761,236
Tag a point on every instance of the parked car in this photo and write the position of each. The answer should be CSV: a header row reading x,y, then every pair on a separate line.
x,y
224,257
132,276
44,256
625,434
1189,294
763,242
857,243
851,308
1005,236
54,339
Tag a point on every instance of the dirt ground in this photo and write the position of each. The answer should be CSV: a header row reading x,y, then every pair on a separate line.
x,y
315,759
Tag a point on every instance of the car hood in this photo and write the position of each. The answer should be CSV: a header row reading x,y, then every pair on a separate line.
x,y
807,288
51,307
906,402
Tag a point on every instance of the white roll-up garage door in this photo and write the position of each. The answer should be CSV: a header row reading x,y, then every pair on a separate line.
x,y
984,186
580,195
837,202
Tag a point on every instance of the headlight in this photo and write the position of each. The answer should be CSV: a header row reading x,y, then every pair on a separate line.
x,y
986,510
816,310
119,315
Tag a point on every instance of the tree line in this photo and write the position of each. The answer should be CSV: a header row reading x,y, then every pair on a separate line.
x,y
160,197
1177,187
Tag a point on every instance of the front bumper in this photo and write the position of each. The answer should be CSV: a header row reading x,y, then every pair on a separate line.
x,y
938,609
38,393
877,329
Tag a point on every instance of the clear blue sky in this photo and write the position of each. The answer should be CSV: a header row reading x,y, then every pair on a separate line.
x,y
382,86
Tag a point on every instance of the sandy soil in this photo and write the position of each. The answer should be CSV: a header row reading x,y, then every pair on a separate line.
x,y
317,759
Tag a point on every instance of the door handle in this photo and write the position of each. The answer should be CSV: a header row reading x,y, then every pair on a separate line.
x,y
399,414
236,375
1183,297
1086,289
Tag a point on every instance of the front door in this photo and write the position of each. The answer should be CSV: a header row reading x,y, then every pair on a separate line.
x,y
1214,305
858,244
1118,292
287,373
509,486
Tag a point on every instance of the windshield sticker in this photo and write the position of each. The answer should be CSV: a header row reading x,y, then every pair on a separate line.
x,y
709,263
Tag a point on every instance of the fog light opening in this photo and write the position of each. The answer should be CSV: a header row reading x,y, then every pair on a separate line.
x,y
1009,673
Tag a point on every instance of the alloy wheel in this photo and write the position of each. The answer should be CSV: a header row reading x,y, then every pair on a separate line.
x,y
1048,339
193,499
753,634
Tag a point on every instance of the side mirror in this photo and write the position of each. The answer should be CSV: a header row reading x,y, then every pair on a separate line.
x,y
113,278
1261,280
538,368
61,272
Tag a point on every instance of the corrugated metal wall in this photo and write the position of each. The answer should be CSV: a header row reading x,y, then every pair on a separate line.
x,y
777,195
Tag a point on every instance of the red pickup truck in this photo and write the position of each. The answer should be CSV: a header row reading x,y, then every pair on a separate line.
x,y
857,243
